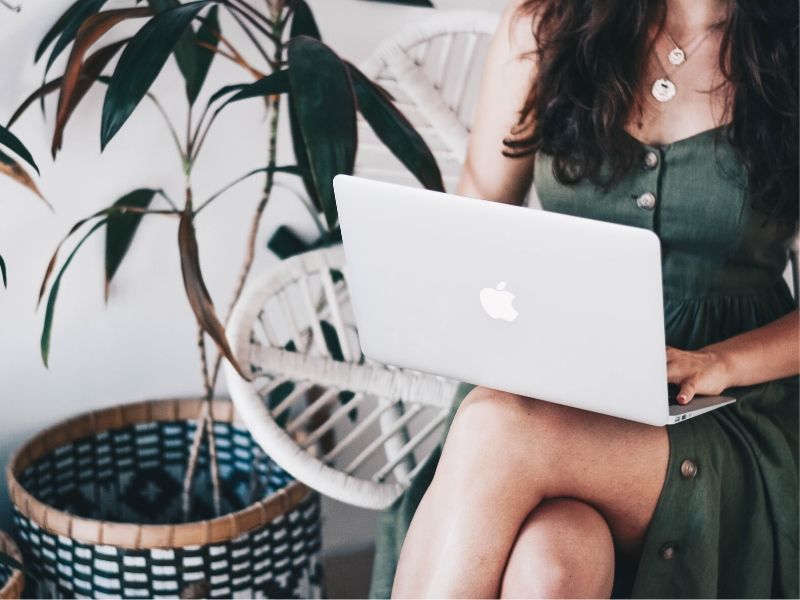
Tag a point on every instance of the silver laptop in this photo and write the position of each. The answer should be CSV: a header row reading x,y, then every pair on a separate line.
x,y
561,308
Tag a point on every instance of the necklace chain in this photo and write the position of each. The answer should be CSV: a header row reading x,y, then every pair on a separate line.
x,y
663,88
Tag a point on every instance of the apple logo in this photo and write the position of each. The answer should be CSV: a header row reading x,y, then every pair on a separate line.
x,y
497,302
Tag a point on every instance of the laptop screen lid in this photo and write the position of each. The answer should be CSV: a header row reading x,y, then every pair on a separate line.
x,y
551,306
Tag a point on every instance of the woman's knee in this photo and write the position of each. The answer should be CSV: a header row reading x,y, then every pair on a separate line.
x,y
487,413
563,550
491,425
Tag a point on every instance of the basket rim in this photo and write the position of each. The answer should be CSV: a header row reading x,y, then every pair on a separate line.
x,y
137,536
12,588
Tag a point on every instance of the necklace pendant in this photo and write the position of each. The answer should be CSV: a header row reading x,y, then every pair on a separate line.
x,y
663,90
676,56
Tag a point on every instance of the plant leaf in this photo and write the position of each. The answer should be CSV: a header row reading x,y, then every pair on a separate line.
x,y
10,141
274,83
303,22
193,60
121,228
91,70
285,243
207,35
3,272
396,132
10,167
66,28
331,340
197,293
51,300
292,169
322,96
58,27
301,157
344,397
92,30
140,64
51,264
278,395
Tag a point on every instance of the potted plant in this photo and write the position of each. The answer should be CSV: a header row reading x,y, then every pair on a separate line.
x,y
198,491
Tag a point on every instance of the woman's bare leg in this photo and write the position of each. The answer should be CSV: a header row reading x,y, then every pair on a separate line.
x,y
563,550
504,455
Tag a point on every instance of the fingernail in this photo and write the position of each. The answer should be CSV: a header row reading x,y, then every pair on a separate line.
x,y
681,399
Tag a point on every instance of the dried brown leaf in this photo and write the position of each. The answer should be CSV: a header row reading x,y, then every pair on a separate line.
x,y
90,31
11,168
197,293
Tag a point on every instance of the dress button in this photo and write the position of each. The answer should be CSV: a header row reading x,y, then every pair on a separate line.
x,y
668,550
688,469
651,160
646,201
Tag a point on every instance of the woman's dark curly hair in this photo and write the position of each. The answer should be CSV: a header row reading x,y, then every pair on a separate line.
x,y
591,56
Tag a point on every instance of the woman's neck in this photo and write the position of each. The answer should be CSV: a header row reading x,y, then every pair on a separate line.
x,y
689,17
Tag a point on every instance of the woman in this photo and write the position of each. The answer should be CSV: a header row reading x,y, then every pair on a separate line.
x,y
679,116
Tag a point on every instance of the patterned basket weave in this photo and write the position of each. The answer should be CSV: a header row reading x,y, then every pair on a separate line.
x,y
97,510
11,580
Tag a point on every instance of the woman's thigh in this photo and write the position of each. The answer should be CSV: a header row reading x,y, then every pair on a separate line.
x,y
543,450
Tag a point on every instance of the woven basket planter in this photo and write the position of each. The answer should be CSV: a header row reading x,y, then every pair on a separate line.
x,y
11,580
97,510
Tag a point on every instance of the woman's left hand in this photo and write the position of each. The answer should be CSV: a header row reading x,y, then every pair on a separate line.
x,y
697,372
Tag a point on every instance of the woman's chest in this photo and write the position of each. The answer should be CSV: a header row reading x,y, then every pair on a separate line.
x,y
692,193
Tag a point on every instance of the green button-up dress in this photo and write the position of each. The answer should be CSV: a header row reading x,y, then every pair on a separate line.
x,y
726,523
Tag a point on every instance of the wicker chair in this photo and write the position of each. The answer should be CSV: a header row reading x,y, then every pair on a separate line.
x,y
365,428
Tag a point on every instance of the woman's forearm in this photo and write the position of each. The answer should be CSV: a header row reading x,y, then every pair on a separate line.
x,y
762,354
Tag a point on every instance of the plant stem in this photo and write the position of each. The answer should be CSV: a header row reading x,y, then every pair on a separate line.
x,y
206,421
272,151
233,12
170,126
194,453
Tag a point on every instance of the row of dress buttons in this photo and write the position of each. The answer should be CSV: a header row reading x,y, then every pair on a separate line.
x,y
688,471
647,201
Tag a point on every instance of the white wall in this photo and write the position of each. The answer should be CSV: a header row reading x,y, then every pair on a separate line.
x,y
142,344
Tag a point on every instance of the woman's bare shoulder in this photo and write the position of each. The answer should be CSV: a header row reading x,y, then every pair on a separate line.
x,y
517,24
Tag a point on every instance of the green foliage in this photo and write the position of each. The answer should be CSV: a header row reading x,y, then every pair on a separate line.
x,y
141,62
274,83
65,29
332,340
323,101
121,228
193,60
324,94
10,141
285,243
51,300
395,131
303,22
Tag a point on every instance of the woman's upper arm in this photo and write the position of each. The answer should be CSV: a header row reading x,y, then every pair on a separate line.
x,y
505,83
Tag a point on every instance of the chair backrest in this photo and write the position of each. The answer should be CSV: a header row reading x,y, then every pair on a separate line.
x,y
433,70
353,429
